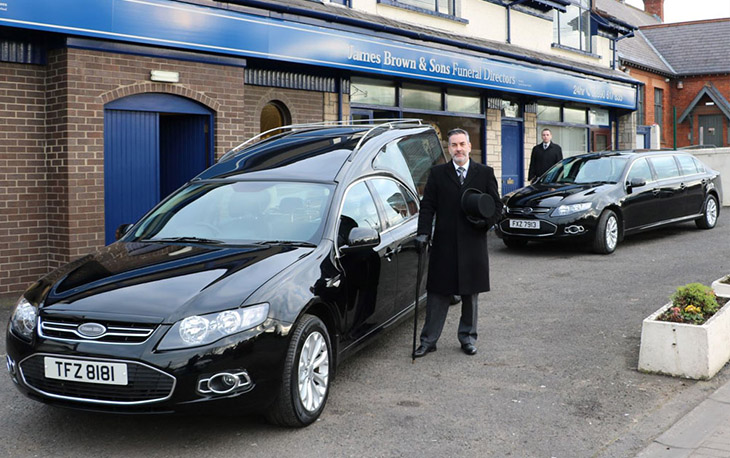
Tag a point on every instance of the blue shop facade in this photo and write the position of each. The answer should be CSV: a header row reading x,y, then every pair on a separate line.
x,y
140,95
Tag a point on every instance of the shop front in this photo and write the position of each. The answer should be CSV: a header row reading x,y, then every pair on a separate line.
x,y
231,73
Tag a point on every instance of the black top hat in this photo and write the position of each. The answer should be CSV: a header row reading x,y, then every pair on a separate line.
x,y
477,205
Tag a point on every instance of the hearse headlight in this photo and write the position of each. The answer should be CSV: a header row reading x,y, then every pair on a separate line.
x,y
24,319
199,330
565,210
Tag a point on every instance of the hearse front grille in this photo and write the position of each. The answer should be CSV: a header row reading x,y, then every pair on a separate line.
x,y
115,332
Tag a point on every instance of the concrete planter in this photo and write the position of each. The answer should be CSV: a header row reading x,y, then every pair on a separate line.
x,y
685,350
721,287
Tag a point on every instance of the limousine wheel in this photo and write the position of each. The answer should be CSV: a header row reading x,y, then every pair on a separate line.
x,y
709,219
606,237
305,381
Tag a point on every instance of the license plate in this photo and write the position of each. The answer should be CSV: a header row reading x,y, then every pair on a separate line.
x,y
85,371
524,224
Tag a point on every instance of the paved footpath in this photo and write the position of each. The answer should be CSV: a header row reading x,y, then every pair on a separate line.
x,y
703,432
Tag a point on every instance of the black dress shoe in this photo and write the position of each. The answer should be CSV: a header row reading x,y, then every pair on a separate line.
x,y
469,349
422,350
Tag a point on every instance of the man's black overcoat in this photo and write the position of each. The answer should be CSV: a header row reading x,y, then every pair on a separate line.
x,y
542,159
459,262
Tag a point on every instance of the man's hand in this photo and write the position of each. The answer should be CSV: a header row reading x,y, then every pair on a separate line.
x,y
422,243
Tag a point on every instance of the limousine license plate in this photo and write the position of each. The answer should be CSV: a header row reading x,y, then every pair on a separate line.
x,y
524,224
85,371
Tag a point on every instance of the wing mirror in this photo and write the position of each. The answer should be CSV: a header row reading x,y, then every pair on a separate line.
x,y
635,183
361,238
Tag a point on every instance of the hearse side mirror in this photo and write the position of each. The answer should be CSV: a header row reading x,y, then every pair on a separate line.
x,y
635,183
121,230
361,238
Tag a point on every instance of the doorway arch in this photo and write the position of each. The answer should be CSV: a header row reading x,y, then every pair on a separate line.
x,y
153,144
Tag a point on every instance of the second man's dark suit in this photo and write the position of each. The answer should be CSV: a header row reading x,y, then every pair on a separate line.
x,y
543,158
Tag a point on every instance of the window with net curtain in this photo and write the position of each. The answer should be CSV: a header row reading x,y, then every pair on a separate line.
x,y
572,139
573,27
439,6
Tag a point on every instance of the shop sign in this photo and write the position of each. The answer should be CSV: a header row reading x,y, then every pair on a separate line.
x,y
173,24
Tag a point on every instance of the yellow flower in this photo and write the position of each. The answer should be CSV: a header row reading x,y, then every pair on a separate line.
x,y
692,309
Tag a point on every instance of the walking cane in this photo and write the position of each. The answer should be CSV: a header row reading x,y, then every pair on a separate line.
x,y
415,311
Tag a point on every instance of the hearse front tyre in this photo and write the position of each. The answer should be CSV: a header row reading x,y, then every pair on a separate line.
x,y
305,381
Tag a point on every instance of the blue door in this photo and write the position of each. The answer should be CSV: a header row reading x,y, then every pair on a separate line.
x,y
131,167
153,144
512,152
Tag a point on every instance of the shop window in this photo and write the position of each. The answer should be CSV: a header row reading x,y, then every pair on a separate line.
x,y
510,109
370,91
572,140
574,115
463,101
421,97
573,28
548,113
598,117
274,114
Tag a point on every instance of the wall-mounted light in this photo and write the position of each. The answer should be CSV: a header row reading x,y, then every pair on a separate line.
x,y
666,80
164,76
680,85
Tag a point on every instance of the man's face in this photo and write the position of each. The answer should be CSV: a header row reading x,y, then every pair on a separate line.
x,y
546,136
459,148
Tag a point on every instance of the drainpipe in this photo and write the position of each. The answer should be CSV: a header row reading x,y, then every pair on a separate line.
x,y
509,8
615,40
674,126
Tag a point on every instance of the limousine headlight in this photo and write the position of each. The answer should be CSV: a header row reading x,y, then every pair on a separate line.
x,y
24,318
199,330
565,210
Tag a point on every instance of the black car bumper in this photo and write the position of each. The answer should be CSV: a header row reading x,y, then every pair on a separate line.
x,y
536,227
154,381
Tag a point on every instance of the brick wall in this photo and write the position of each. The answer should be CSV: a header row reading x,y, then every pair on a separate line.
x,y
682,99
23,174
52,144
651,82
303,106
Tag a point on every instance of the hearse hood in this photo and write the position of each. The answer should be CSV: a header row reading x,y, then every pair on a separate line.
x,y
552,195
155,282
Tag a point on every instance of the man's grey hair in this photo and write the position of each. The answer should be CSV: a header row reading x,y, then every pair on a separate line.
x,y
458,131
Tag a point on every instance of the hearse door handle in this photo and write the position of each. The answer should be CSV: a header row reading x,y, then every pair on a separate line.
x,y
682,186
655,192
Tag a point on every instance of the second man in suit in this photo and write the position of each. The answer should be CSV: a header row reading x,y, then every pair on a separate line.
x,y
544,156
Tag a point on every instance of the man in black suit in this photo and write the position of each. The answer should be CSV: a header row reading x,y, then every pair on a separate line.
x,y
459,261
544,156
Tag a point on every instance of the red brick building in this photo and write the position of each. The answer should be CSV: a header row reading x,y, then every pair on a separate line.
x,y
685,68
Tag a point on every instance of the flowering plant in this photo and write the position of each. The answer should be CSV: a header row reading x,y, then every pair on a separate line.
x,y
693,303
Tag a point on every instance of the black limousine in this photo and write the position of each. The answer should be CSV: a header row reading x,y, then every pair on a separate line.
x,y
599,198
